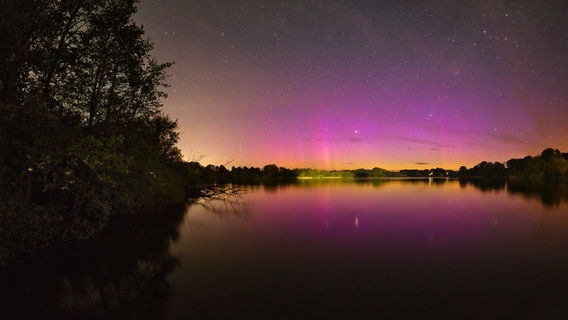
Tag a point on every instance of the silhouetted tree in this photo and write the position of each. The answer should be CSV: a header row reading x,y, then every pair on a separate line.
x,y
438,172
463,172
360,173
377,172
518,166
82,134
548,153
270,171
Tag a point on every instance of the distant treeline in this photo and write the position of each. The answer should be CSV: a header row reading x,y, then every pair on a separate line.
x,y
210,174
550,165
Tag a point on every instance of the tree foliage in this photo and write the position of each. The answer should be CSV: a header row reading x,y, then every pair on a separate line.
x,y
82,132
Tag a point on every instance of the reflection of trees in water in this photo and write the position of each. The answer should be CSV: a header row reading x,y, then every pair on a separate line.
x,y
131,291
551,194
120,274
486,185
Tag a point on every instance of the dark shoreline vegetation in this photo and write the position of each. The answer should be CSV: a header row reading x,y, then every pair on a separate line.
x,y
84,141
548,167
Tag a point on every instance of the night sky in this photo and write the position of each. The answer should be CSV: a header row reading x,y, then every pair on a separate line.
x,y
359,84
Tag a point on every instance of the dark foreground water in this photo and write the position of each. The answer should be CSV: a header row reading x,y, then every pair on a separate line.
x,y
424,249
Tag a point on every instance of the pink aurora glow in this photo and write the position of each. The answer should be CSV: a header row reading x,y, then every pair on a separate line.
x,y
342,85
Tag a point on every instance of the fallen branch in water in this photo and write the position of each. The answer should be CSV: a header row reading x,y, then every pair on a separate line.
x,y
221,199
216,192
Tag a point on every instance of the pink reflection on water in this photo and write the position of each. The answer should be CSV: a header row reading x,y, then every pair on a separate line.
x,y
396,216
349,244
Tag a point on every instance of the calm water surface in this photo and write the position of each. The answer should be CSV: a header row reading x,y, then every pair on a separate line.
x,y
395,248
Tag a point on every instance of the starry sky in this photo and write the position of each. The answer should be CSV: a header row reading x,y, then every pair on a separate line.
x,y
362,84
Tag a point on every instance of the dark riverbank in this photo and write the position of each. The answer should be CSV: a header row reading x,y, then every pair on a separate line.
x,y
120,271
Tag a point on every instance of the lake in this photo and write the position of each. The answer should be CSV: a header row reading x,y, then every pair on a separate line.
x,y
422,248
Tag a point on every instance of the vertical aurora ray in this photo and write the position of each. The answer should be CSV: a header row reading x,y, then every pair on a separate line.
x,y
324,142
